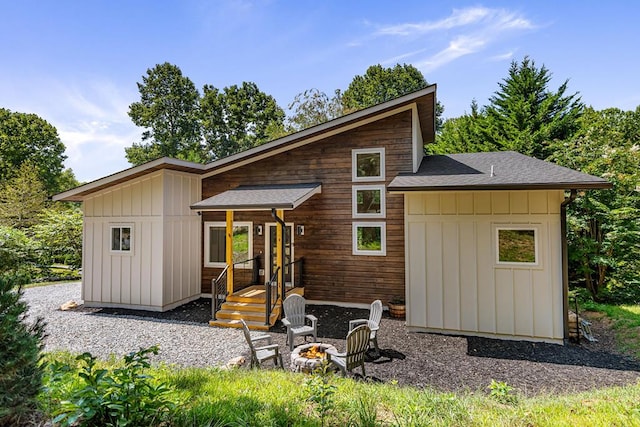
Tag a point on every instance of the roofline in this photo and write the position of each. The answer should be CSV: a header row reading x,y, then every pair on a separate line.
x,y
78,193
488,187
309,135
316,189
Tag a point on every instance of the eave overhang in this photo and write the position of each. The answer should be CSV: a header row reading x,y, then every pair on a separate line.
x,y
260,197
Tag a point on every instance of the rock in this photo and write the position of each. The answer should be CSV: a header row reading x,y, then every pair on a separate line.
x,y
69,305
236,362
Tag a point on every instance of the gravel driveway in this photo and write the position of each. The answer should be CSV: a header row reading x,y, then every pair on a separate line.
x,y
450,363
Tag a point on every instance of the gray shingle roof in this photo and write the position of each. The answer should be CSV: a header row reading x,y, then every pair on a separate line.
x,y
260,197
511,170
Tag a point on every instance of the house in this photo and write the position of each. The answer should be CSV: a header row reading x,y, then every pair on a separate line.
x,y
346,212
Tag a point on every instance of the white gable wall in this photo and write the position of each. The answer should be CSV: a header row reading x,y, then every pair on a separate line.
x,y
161,271
454,283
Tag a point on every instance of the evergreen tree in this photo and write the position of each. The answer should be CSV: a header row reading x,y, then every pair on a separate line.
x,y
20,352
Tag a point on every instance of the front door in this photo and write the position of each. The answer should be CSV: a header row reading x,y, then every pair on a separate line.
x,y
271,243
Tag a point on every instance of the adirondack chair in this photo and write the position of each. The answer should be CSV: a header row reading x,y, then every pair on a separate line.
x,y
295,320
266,352
357,345
373,322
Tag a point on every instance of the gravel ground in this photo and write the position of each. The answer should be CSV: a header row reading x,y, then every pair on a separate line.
x,y
448,363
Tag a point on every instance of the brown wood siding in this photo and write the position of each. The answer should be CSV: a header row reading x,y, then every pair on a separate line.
x,y
331,272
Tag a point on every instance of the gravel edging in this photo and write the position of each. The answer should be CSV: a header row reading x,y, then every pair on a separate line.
x,y
443,362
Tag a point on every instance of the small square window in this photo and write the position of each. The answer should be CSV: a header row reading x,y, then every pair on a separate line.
x,y
369,238
517,245
368,164
121,238
368,201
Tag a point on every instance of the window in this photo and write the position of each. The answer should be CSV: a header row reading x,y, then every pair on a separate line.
x,y
369,238
368,164
215,243
121,238
368,201
517,245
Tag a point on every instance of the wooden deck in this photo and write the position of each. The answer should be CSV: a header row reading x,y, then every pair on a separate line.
x,y
248,304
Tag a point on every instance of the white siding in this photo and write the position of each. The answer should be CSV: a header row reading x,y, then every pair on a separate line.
x,y
163,268
453,281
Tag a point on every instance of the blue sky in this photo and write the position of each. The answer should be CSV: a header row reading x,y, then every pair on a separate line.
x,y
76,63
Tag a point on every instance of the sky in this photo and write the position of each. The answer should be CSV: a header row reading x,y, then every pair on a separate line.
x,y
76,64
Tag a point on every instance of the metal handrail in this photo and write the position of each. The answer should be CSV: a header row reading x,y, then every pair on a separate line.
x,y
218,292
270,301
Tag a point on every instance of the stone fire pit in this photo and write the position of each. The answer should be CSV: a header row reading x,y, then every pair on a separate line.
x,y
307,357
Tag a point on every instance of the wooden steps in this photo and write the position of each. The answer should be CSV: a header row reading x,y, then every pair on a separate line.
x,y
248,304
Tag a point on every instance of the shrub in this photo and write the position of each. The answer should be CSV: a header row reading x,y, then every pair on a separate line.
x,y
21,344
120,396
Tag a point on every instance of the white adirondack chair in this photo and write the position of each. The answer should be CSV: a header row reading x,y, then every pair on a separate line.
x,y
357,345
262,353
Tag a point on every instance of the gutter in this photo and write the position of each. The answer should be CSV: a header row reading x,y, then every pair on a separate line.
x,y
565,260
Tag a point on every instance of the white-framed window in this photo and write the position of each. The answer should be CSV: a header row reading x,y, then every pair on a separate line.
x,y
367,164
121,238
368,201
369,238
517,245
215,243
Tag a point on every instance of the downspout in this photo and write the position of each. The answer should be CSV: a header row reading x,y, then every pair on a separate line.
x,y
565,260
283,244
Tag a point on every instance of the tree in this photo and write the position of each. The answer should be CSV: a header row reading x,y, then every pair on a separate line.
x,y
462,134
29,138
379,84
604,225
168,110
22,198
237,118
525,116
59,234
313,107
20,352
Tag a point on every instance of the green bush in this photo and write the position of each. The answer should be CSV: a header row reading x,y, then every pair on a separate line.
x,y
21,344
121,396
17,251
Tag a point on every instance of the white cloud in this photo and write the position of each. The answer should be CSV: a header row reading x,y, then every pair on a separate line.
x,y
467,31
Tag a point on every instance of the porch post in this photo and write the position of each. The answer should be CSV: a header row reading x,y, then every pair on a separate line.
x,y
280,236
229,252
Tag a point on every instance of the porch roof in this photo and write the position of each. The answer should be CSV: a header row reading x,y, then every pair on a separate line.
x,y
260,197
503,170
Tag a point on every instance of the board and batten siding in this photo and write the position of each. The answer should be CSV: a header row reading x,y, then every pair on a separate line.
x,y
163,268
454,283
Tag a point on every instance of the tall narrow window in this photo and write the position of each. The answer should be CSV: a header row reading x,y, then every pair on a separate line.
x,y
121,238
215,243
368,164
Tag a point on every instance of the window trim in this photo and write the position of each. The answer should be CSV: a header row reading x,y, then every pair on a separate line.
x,y
524,227
223,224
354,201
131,238
383,238
354,164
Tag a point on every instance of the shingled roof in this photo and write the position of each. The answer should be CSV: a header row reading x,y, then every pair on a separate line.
x,y
504,170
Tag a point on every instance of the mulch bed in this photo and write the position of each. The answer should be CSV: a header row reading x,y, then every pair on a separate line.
x,y
457,363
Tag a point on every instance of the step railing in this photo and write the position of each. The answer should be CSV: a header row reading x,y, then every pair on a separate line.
x,y
271,293
218,292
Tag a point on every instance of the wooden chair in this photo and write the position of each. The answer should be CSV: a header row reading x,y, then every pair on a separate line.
x,y
357,345
295,319
373,322
266,352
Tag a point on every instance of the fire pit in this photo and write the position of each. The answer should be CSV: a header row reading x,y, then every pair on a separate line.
x,y
307,357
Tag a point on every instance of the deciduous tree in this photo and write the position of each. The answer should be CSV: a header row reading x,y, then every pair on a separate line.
x,y
168,110
22,198
313,107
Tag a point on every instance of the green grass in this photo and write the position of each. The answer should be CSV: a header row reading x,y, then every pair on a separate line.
x,y
214,397
625,321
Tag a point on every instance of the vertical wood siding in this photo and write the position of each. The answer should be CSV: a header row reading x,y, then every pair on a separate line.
x,y
157,207
453,280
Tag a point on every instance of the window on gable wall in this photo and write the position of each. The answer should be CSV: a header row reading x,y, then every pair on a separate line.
x,y
121,238
368,201
215,243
